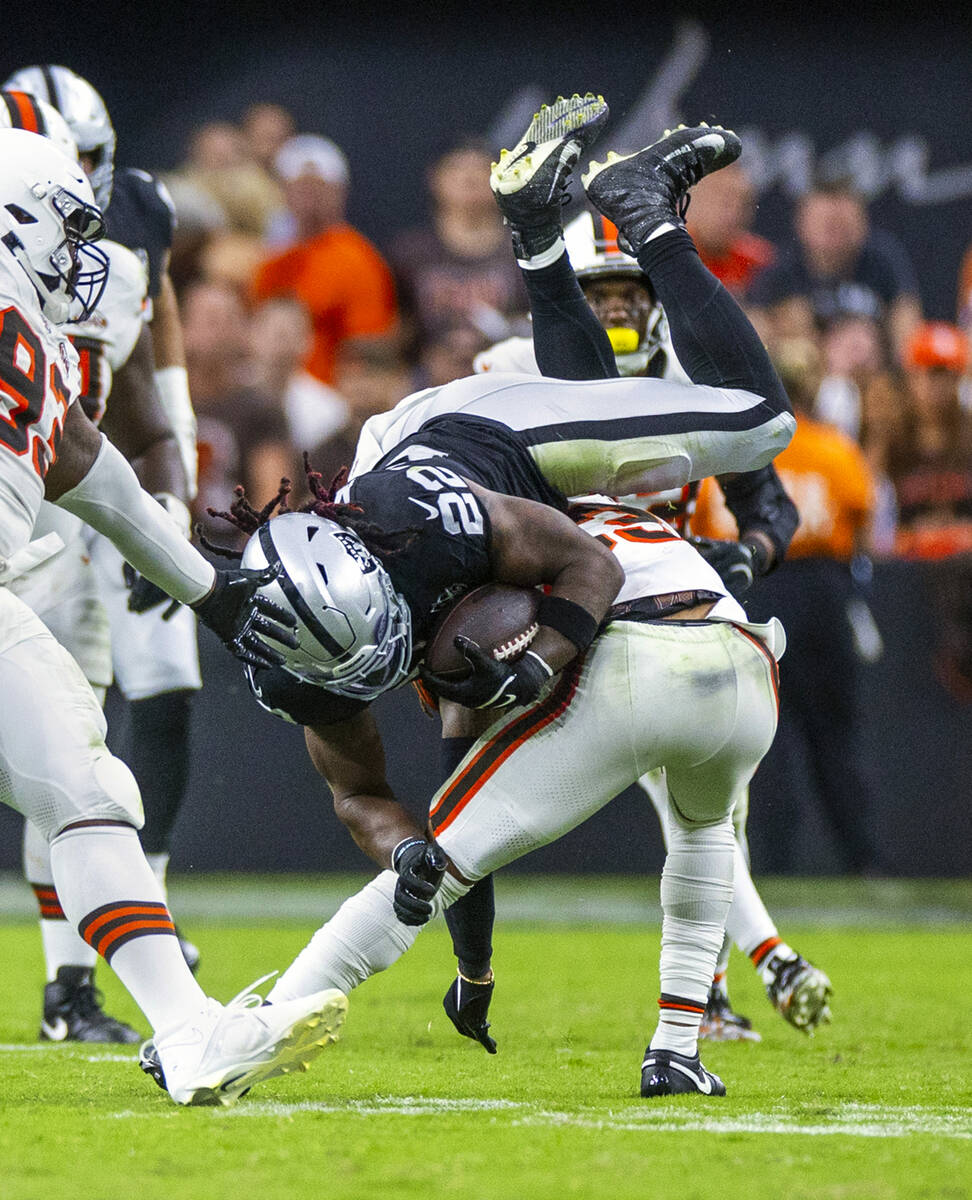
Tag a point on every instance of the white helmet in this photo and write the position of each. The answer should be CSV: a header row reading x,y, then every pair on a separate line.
x,y
592,245
354,631
48,221
83,109
21,110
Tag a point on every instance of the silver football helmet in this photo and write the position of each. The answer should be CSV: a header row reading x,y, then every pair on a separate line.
x,y
592,245
354,631
86,115
48,221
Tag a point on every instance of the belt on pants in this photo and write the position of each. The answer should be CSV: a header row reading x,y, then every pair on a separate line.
x,y
652,608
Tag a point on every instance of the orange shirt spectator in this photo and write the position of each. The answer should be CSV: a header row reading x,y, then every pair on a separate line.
x,y
719,220
343,282
829,481
332,269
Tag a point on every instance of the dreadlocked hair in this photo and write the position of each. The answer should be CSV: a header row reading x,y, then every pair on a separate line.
x,y
379,541
248,519
245,517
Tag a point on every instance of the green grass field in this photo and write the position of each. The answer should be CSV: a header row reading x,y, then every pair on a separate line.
x,y
876,1105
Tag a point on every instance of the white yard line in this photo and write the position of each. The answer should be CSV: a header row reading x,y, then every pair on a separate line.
x,y
848,1120
69,1049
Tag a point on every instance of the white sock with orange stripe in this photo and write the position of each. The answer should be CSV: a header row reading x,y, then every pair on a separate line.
x,y
767,956
109,893
696,891
63,945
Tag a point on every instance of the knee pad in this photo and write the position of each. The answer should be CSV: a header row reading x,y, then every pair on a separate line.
x,y
121,799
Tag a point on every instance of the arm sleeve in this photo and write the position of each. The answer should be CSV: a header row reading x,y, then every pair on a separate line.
x,y
758,501
110,500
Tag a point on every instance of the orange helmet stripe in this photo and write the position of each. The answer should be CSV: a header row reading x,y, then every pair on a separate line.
x,y
27,115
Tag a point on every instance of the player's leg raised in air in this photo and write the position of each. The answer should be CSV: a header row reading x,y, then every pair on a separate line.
x,y
624,435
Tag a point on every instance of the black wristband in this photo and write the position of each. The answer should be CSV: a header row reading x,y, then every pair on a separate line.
x,y
405,844
571,620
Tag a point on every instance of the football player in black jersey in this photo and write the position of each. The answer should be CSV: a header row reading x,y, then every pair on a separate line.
x,y
150,407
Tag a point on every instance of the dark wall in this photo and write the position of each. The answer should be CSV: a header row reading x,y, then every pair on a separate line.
x,y
885,96
255,802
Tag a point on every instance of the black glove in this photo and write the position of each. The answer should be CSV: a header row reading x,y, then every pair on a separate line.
x,y
492,684
420,866
145,595
237,614
738,563
466,1005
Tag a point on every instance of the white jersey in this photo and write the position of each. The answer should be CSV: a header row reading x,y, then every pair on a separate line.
x,y
39,380
656,559
103,344
517,354
106,340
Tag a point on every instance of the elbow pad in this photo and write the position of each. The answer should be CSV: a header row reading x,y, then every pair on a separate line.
x,y
758,501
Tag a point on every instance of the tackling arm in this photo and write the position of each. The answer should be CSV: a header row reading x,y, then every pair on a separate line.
x,y
350,757
91,478
764,513
766,518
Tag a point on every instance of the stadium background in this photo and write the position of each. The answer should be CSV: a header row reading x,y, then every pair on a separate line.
x,y
887,96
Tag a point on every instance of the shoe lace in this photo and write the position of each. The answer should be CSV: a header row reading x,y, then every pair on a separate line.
x,y
88,1001
248,997
784,979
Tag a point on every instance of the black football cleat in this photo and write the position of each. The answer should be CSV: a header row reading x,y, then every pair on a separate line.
x,y
641,191
151,1064
73,1012
720,1023
530,181
190,951
467,1005
665,1073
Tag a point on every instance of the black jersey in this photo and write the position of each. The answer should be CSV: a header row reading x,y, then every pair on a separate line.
x,y
484,451
141,216
442,537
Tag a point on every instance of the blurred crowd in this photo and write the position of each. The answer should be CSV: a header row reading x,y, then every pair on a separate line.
x,y
298,328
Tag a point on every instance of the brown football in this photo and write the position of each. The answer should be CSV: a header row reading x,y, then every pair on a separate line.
x,y
498,617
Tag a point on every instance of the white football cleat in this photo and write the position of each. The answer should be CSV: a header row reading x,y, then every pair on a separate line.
x,y
221,1052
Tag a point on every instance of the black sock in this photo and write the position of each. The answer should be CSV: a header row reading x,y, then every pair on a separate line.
x,y
159,759
471,918
712,336
568,339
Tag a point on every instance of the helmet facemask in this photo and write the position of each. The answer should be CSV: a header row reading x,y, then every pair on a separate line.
x,y
71,278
